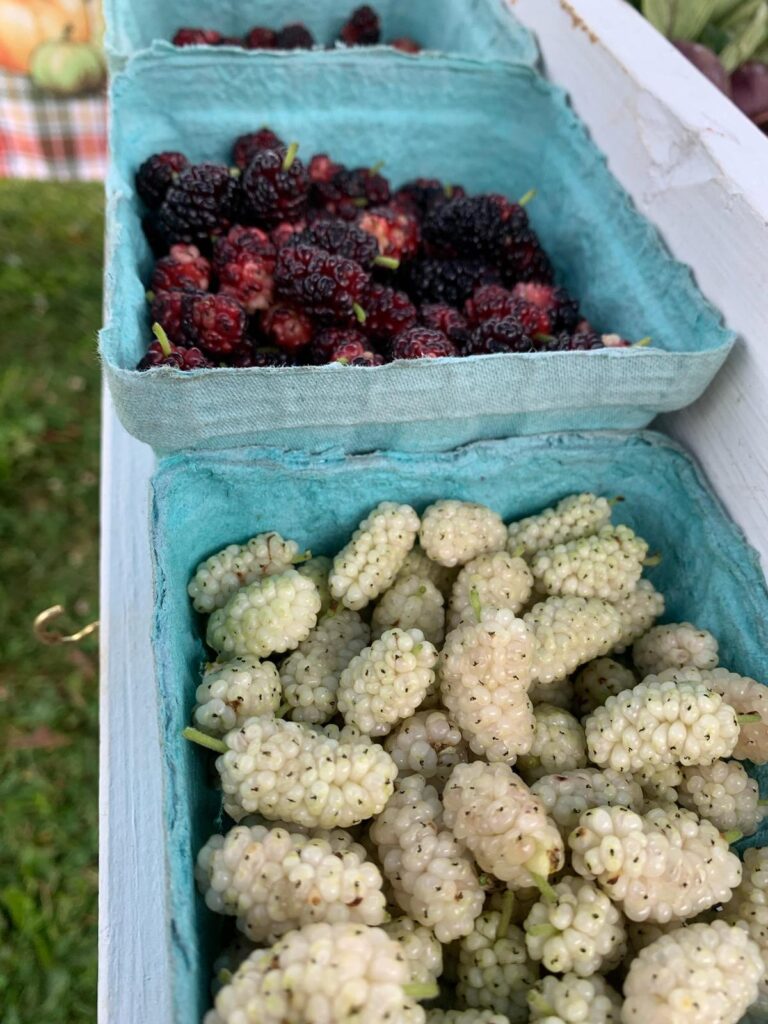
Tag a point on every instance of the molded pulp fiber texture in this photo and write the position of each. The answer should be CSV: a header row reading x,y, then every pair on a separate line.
x,y
203,501
498,128
481,28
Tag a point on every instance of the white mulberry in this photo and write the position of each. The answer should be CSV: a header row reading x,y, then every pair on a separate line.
x,y
560,694
432,876
287,772
411,603
234,691
558,744
569,631
598,680
455,532
485,672
660,723
310,675
566,795
496,580
574,1000
321,974
505,826
423,952
749,906
495,971
386,681
674,646
702,974
577,929
659,783
466,1017
666,864
638,612
724,794
223,574
747,697
607,564
418,564
369,563
274,881
575,516
427,744
271,615
318,570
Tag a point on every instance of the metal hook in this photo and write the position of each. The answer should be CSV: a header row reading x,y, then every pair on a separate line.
x,y
54,637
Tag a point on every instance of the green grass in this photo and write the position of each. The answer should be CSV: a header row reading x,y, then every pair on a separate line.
x,y
50,310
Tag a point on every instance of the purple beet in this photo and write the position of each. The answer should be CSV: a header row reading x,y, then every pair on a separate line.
x,y
706,61
749,90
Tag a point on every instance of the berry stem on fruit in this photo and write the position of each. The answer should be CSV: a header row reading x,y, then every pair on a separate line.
x,y
733,836
360,201
548,893
204,740
448,190
376,167
643,343
519,551
282,711
150,295
162,339
359,313
537,1002
305,556
616,500
545,931
529,195
224,976
290,155
540,336
762,803
416,649
474,600
426,990
386,261
749,718
505,917
486,881
651,560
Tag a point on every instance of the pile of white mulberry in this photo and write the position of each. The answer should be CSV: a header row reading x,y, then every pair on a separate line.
x,y
467,769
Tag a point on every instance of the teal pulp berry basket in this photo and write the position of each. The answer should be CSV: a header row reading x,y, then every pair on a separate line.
x,y
491,127
204,501
480,28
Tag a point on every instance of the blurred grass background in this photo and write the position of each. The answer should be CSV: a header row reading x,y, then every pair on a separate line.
x,y
50,310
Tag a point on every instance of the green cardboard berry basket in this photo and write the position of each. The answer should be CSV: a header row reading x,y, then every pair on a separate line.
x,y
491,126
205,500
480,28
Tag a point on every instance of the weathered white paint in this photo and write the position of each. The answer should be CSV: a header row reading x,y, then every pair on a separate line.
x,y
133,954
697,168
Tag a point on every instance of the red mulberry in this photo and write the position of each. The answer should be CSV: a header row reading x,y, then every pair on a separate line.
x,y
197,37
489,302
247,146
362,29
287,327
260,38
405,44
328,342
420,343
156,175
249,280
183,269
295,37
387,312
329,287
396,232
275,186
448,320
217,324
172,310
252,241
162,353
563,311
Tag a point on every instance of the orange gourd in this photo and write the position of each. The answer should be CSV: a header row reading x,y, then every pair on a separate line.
x,y
24,24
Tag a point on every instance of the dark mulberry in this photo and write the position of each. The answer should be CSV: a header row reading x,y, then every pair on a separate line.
x,y
202,203
261,355
295,37
328,287
356,353
364,186
172,311
448,321
447,281
162,353
331,339
217,324
500,335
422,194
247,146
420,343
252,241
489,301
183,269
563,311
388,312
285,233
156,175
470,226
275,186
341,239
362,29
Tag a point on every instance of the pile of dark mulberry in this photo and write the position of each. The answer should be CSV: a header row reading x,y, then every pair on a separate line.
x,y
362,28
277,261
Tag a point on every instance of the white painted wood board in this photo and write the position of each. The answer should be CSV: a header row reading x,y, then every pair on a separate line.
x,y
698,169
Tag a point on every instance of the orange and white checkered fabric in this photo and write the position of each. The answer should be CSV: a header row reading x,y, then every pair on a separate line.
x,y
48,138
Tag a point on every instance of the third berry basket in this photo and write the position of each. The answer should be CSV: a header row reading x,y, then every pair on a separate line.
x,y
491,127
707,573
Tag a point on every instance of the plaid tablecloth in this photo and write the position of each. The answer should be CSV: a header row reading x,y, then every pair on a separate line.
x,y
43,137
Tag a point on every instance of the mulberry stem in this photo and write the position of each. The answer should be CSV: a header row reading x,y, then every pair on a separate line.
x,y
651,560
474,600
204,740
305,556
615,500
224,976
162,339
427,990
505,917
733,836
376,167
519,551
643,343
359,313
387,261
537,1002
748,719
290,155
548,893
529,195
544,930
282,711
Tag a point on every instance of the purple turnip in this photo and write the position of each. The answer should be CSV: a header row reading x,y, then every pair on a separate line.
x,y
706,61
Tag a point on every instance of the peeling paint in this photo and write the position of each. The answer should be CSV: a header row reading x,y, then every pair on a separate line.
x,y
578,21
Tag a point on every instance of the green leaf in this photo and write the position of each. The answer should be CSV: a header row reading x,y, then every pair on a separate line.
x,y
725,8
19,906
659,13
739,15
689,17
748,42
